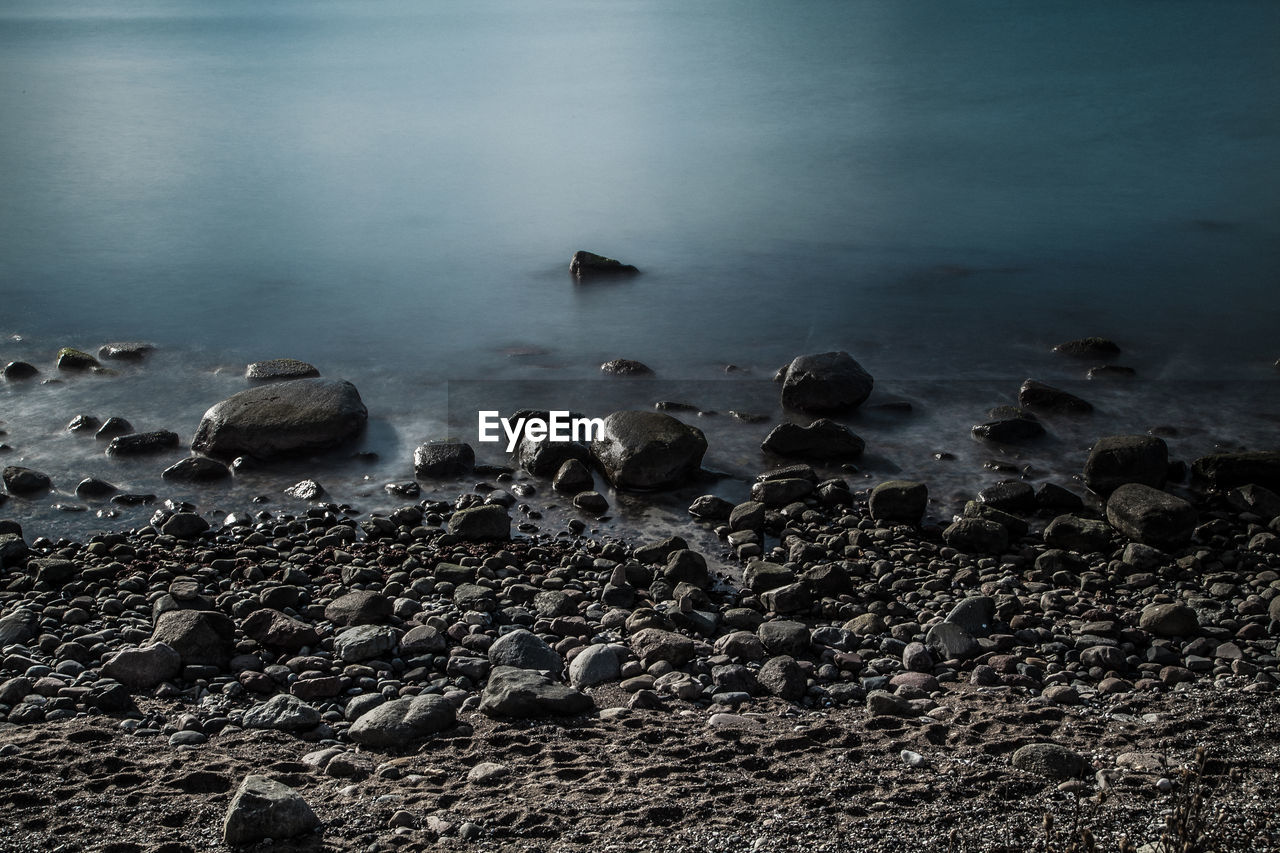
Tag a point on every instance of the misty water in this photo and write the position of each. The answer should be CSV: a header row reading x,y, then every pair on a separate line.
x,y
391,191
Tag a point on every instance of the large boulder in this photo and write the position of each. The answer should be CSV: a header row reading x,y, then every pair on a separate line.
x,y
513,692
825,382
266,809
143,668
1118,459
198,636
1151,516
648,450
901,501
25,481
1224,470
523,649
1037,395
281,419
395,723
822,439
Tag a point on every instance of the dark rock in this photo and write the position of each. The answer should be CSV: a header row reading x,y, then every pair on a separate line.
x,y
199,637
1050,760
264,808
749,515
761,576
950,641
648,450
13,550
1150,516
125,351
83,423
1074,533
512,692
1169,620
781,637
625,367
1088,348
1253,498
51,570
281,419
592,502
1037,395
484,523
977,536
654,644
443,459
685,566
523,649
1051,496
658,552
825,382
573,477
1224,470
1111,371
782,677
278,630
74,359
544,458
16,371
142,443
778,493
711,508
587,264
282,713
976,614
184,525
364,642
792,598
827,580
1009,430
1009,496
1119,459
822,439
113,427
25,481
362,607
1015,525
399,722
278,369
898,501
196,469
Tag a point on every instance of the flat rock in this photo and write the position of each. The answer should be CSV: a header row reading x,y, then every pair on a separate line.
x,y
512,692
588,264
143,443
625,367
278,369
1092,347
125,351
1150,516
443,459
199,637
1224,470
1050,760
1037,395
282,713
281,419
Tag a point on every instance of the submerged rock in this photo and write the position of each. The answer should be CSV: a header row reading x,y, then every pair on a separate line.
x,y
70,358
825,382
1088,348
822,439
16,371
1037,395
26,481
278,369
282,419
443,459
626,367
648,450
197,469
125,351
585,264
140,443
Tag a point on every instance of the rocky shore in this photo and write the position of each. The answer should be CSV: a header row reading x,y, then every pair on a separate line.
x,y
842,671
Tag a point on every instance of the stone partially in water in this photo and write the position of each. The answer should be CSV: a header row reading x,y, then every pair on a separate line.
x,y
196,469
70,358
822,439
625,367
1118,459
16,371
125,351
443,459
586,264
279,369
1088,348
140,443
25,481
648,450
282,419
825,382
1037,395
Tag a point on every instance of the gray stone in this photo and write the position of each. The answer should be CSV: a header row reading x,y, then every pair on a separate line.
x,y
16,371
113,427
19,626
761,576
1169,620
592,502
975,614
25,481
143,443
777,493
423,640
782,677
749,515
685,566
594,665
145,667
125,350
184,525
1009,430
51,570
1118,459
1037,395
1224,470
1074,533
282,418
822,439
443,459
882,703
263,808
1013,496
792,598
523,649
949,641
1092,347
654,644
362,607
825,382
625,367
14,690
199,637
898,501
782,637
512,692
197,469
648,450
588,264
283,713
489,522
1150,516
364,642
572,477
711,508
1050,760
395,723
278,630
305,490
977,536
70,358
279,369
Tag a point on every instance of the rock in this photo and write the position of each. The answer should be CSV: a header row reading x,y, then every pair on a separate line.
x,y
282,418
1051,496
976,614
473,597
711,508
792,598
825,382
83,423
1050,760
523,649
143,668
783,637
625,367
305,490
278,369
443,459
184,525
882,703
544,458
1151,516
592,502
91,488
396,723
1119,459
1012,496
141,443
762,576
512,692
1169,620
113,427
778,493
199,637
16,371
782,677
1074,533
1111,371
488,773
595,664
25,481
573,477
898,501
588,264
749,515
648,450
1253,498
1009,430
1088,348
278,630
1037,395
362,607
263,808
196,469
19,626
52,571
74,359
486,523
977,536
422,640
1224,470
950,641
685,566
13,551
867,625
282,713
364,642
654,644
125,351
917,658
822,439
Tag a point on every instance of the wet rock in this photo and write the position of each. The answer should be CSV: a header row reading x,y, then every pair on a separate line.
x,y
898,501
1224,470
1118,459
113,427
1111,371
263,808
749,515
1037,395
977,536
274,629
25,481
184,525
512,692
573,477
544,458
52,571
711,508
1010,430
685,566
1075,533
1012,496
1050,760
481,523
1088,348
1150,516
145,667
16,371
822,439
525,650
1053,497
625,367
825,382
305,490
13,549
91,488
125,351
83,424
648,450
281,419
592,502
1169,620
362,607
282,713
777,493
18,626
279,369
196,469
141,443
75,360
588,264
443,459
